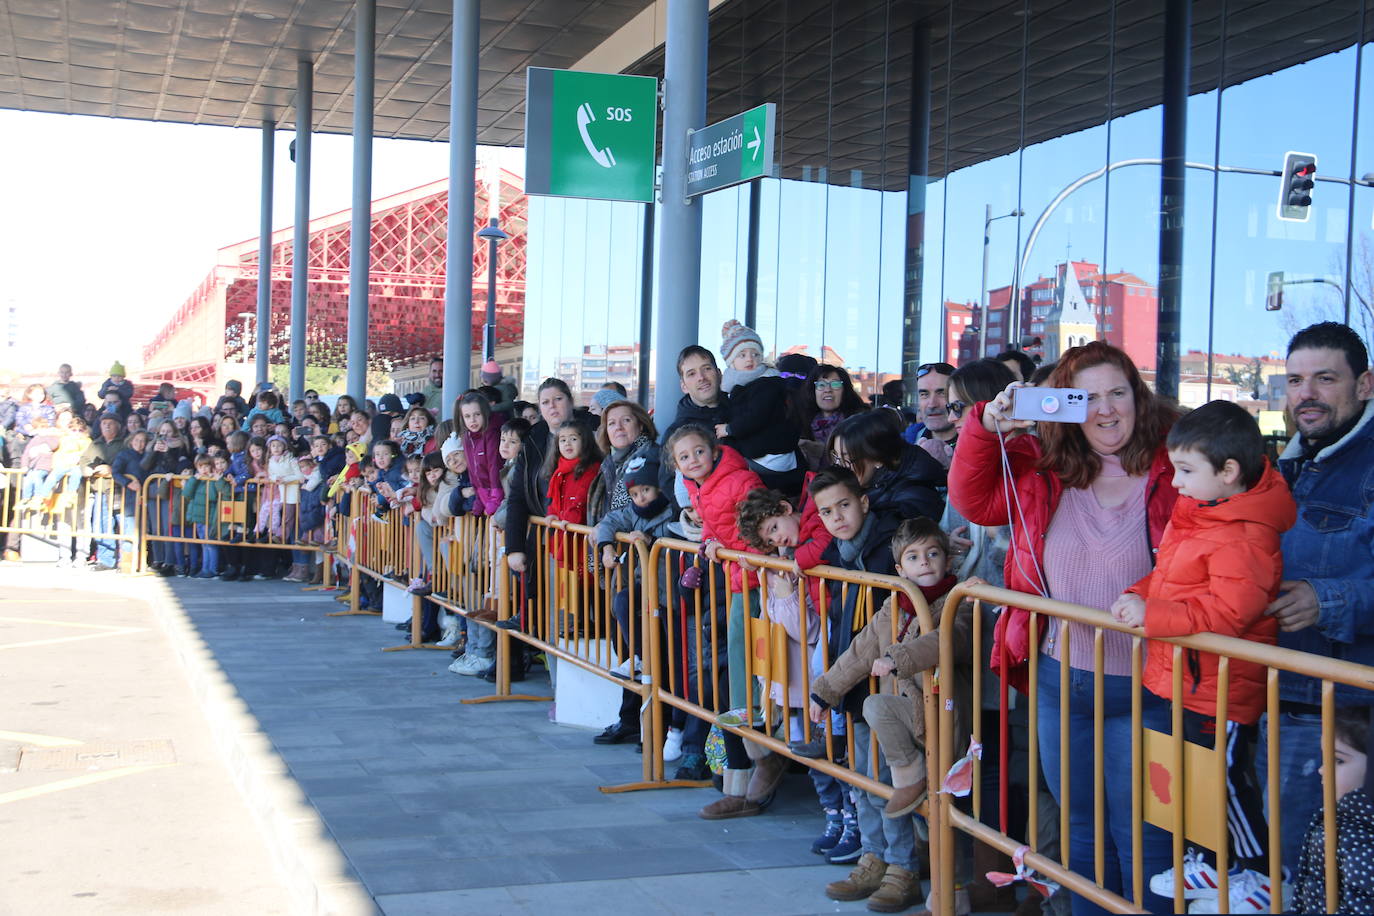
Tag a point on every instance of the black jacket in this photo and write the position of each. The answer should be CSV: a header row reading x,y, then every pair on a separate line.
x,y
761,419
529,489
910,490
842,605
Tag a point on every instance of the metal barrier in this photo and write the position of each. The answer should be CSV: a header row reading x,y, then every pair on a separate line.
x,y
260,516
1201,769
68,505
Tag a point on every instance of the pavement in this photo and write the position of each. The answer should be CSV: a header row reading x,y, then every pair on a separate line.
x,y
349,780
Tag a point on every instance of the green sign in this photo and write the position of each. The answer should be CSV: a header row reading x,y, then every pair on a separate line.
x,y
732,151
590,134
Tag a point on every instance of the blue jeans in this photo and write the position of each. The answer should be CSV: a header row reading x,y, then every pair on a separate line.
x,y
736,644
1156,846
33,482
128,526
209,553
1300,785
892,839
100,513
71,476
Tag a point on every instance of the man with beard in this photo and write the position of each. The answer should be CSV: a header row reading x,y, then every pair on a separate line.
x,y
434,390
932,403
1326,600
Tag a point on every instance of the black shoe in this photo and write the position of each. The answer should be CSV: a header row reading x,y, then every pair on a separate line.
x,y
815,748
403,626
166,570
230,575
693,768
510,623
617,733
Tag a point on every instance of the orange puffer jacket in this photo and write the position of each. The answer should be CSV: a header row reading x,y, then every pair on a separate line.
x,y
716,500
1218,568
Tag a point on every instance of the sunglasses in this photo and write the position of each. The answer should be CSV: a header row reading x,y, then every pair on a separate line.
x,y
833,384
956,408
926,368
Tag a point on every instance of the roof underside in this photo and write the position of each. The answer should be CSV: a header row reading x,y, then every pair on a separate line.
x,y
840,69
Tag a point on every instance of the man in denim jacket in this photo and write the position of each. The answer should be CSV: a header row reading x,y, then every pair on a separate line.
x,y
1326,602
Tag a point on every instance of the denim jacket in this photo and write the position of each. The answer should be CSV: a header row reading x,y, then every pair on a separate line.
x,y
1332,549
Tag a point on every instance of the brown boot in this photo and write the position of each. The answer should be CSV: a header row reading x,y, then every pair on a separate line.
x,y
764,778
900,890
866,878
905,800
733,803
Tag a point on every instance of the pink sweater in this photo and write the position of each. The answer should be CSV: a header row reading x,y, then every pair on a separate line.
x,y
1092,555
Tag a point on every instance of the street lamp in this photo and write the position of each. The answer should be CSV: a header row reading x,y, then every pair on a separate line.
x,y
988,220
494,236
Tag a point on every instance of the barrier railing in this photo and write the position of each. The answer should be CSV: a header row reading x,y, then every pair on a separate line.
x,y
182,511
70,510
1199,810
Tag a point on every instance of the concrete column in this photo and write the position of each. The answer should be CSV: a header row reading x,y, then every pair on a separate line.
x,y
918,172
360,242
679,261
262,335
1178,28
300,250
462,170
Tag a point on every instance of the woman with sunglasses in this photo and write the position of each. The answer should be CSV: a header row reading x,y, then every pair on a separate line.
x,y
824,399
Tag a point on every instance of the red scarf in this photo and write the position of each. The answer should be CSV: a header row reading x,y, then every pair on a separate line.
x,y
568,490
931,593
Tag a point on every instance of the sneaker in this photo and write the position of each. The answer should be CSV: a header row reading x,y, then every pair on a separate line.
x,y
739,718
1249,892
510,623
617,733
834,829
693,768
380,516
622,670
672,745
849,847
1199,879
470,665
450,637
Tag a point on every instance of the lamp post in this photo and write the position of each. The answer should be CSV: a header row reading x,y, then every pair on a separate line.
x,y
988,220
494,236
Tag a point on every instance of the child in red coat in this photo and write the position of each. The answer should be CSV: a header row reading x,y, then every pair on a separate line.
x,y
1218,568
573,469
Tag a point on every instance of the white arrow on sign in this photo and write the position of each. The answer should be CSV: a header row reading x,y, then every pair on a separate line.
x,y
755,143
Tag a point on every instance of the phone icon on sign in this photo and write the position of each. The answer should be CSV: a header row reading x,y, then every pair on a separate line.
x,y
604,157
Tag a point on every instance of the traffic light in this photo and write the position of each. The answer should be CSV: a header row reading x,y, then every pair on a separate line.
x,y
1274,300
1295,193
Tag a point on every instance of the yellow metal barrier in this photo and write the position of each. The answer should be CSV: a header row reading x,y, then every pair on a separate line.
x,y
1202,772
69,506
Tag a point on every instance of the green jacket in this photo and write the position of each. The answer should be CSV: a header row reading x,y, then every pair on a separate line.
x,y
202,499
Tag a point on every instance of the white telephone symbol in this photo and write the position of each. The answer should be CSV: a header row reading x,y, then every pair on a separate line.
x,y
604,157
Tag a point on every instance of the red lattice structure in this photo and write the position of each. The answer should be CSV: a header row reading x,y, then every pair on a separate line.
x,y
406,298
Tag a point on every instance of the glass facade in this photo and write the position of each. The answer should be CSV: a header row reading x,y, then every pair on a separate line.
x,y
955,178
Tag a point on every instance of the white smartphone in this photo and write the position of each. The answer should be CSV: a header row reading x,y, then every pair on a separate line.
x,y
1056,405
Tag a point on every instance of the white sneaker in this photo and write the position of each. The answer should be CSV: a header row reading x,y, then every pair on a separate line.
x,y
1199,879
622,670
470,665
1249,893
449,624
672,745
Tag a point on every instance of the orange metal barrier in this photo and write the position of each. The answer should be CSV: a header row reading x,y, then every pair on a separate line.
x,y
69,506
1202,772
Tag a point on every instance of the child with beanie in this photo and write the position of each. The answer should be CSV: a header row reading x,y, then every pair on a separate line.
x,y
118,384
510,393
761,427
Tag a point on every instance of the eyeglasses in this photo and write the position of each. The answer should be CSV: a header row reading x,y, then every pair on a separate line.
x,y
956,408
833,384
926,368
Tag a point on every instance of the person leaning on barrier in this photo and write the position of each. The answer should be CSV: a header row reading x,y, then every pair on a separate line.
x,y
529,486
897,476
1090,502
1326,600
702,403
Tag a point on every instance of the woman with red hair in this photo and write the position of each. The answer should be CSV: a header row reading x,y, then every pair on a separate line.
x,y
1088,503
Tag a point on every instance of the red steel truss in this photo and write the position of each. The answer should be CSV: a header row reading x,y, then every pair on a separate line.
x,y
406,297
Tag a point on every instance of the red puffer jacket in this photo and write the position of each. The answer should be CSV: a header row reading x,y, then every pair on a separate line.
x,y
812,538
976,489
1218,568
716,500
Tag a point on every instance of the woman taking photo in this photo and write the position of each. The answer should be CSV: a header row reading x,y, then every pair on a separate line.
x,y
1090,503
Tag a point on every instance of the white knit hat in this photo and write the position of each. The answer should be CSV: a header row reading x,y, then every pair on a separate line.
x,y
450,445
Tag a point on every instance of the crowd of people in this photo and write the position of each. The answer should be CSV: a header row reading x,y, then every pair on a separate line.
x,y
1176,523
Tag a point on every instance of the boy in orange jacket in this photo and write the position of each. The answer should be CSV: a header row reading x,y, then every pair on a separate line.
x,y
1217,570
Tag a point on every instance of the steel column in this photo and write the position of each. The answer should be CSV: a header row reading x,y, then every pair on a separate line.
x,y
679,260
918,170
300,250
1173,156
262,328
462,168
360,238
